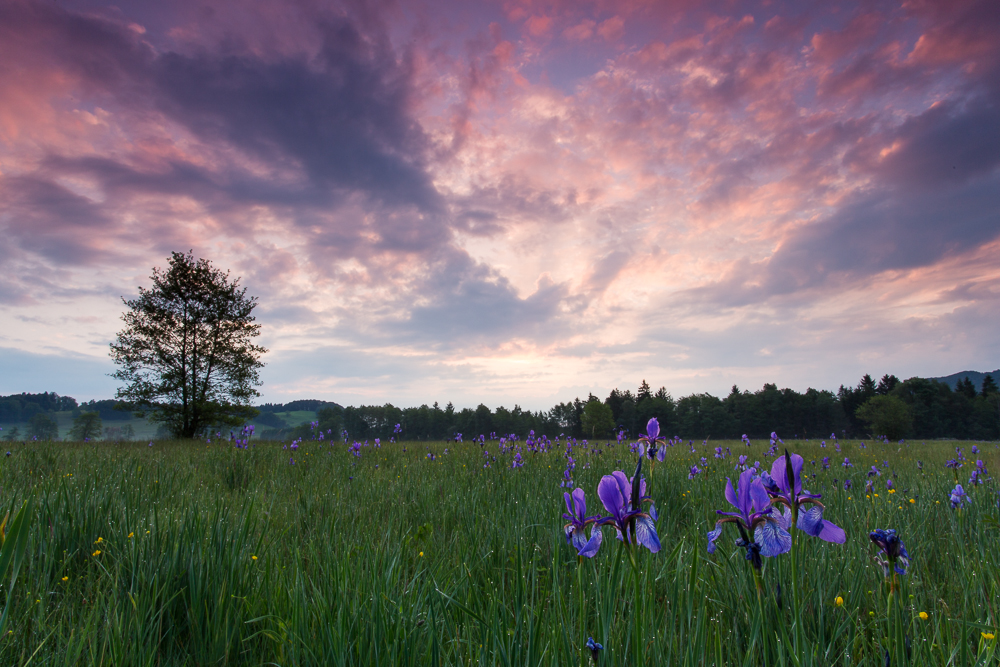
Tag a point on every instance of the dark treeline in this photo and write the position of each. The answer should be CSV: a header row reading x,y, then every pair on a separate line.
x,y
922,408
931,410
23,407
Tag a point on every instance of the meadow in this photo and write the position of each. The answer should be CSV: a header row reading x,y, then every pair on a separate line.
x,y
195,553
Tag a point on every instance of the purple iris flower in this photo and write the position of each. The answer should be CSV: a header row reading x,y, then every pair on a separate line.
x,y
892,554
623,499
754,516
958,496
693,472
576,506
784,485
595,648
847,463
650,442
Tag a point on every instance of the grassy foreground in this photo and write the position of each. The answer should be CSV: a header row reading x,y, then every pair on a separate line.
x,y
192,554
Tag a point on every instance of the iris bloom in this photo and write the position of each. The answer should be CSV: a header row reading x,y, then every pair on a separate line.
x,y
576,506
623,499
784,485
595,648
650,442
754,516
958,496
892,551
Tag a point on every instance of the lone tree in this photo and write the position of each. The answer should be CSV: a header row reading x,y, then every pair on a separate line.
x,y
186,354
886,415
87,426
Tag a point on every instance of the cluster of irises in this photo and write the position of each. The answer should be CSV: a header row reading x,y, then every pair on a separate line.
x,y
630,510
764,531
243,440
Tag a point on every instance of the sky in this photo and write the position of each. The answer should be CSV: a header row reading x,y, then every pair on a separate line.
x,y
513,202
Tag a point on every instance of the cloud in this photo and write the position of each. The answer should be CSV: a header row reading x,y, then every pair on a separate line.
x,y
269,129
580,32
612,28
540,192
462,304
866,237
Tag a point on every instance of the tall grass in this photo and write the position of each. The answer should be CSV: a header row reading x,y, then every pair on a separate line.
x,y
215,556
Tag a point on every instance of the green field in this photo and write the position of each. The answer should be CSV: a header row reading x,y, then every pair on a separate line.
x,y
192,554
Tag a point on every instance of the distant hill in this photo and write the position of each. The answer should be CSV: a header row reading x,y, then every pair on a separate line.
x,y
309,404
974,376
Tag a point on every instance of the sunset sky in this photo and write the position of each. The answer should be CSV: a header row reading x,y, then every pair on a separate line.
x,y
509,202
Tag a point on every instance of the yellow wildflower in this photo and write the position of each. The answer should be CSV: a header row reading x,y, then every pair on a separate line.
x,y
923,616
97,553
987,635
839,601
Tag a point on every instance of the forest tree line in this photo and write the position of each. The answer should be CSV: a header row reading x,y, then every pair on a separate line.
x,y
914,408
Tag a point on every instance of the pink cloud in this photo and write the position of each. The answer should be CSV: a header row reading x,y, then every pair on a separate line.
x,y
538,26
581,32
612,28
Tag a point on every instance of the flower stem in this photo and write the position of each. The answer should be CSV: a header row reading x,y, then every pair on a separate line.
x,y
582,611
637,601
758,580
796,612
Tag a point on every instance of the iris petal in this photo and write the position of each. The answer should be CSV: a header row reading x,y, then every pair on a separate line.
x,y
758,494
645,533
811,520
744,501
581,503
731,494
589,550
609,492
713,535
772,538
624,488
832,533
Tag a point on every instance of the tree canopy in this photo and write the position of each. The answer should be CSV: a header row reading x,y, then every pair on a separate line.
x,y
186,354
